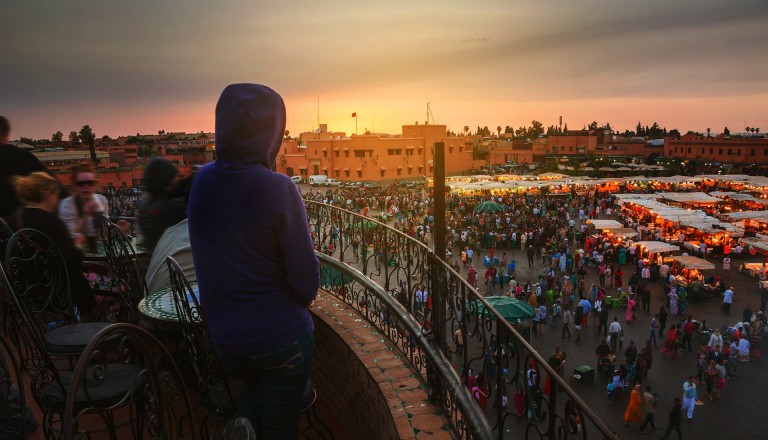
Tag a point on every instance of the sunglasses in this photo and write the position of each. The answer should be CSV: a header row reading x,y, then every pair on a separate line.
x,y
86,183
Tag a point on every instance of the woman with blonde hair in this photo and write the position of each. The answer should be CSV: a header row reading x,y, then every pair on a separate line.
x,y
39,194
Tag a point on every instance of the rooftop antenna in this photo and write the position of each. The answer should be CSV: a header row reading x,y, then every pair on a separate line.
x,y
430,116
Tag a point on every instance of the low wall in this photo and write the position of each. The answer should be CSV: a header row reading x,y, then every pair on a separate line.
x,y
366,382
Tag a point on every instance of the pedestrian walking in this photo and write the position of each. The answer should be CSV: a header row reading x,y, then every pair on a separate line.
x,y
689,397
613,333
649,404
557,310
458,338
634,411
577,322
727,300
654,328
675,418
566,322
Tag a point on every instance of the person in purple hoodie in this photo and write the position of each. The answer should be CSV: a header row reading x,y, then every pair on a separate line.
x,y
255,265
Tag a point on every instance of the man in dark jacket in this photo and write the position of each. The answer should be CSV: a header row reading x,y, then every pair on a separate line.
x,y
14,161
157,210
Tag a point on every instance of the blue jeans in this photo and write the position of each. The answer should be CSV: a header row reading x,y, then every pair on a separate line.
x,y
274,387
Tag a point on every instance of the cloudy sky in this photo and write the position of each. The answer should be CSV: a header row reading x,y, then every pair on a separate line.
x,y
146,65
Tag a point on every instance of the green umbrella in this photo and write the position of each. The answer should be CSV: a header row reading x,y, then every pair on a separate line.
x,y
332,277
489,206
512,309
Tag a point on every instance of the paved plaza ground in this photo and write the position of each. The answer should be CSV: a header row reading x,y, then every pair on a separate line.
x,y
738,413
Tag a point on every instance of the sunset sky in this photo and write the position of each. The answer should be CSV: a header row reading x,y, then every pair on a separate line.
x,y
146,65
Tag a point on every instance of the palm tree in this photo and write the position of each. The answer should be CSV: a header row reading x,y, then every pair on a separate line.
x,y
708,130
466,130
498,130
747,129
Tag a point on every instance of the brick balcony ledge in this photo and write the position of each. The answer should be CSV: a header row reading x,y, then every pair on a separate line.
x,y
372,389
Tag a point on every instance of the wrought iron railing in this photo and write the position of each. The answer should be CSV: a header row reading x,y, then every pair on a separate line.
x,y
122,200
384,274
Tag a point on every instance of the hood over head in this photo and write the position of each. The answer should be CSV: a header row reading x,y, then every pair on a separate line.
x,y
250,124
158,174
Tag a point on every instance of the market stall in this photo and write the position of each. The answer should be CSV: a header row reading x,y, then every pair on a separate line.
x,y
687,271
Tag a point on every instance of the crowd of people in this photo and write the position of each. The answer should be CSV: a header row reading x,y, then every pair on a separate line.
x,y
550,237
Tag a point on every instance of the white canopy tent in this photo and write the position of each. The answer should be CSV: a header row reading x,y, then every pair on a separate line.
x,y
691,218
755,242
657,246
695,198
746,214
605,224
623,233
552,175
692,262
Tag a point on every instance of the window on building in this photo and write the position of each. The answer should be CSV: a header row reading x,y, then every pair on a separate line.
x,y
702,151
570,148
420,151
450,149
346,173
711,151
338,173
346,153
394,152
337,153
359,174
720,151
359,153
765,152
410,170
461,149
729,152
399,171
738,152
409,151
430,169
689,150
325,154
382,173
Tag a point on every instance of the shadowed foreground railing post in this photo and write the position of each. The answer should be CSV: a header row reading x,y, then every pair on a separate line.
x,y
390,277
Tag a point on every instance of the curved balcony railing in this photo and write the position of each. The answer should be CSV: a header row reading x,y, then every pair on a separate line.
x,y
378,270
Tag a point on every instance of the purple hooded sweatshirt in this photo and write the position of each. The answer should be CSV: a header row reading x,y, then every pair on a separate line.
x,y
253,255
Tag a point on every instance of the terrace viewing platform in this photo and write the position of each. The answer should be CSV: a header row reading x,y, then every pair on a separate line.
x,y
386,364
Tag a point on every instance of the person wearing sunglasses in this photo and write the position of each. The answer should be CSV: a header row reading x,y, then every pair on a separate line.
x,y
79,210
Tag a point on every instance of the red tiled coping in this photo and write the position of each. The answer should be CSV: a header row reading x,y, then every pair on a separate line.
x,y
372,388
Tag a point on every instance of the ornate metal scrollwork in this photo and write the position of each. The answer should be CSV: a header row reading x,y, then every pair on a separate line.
x,y
418,302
